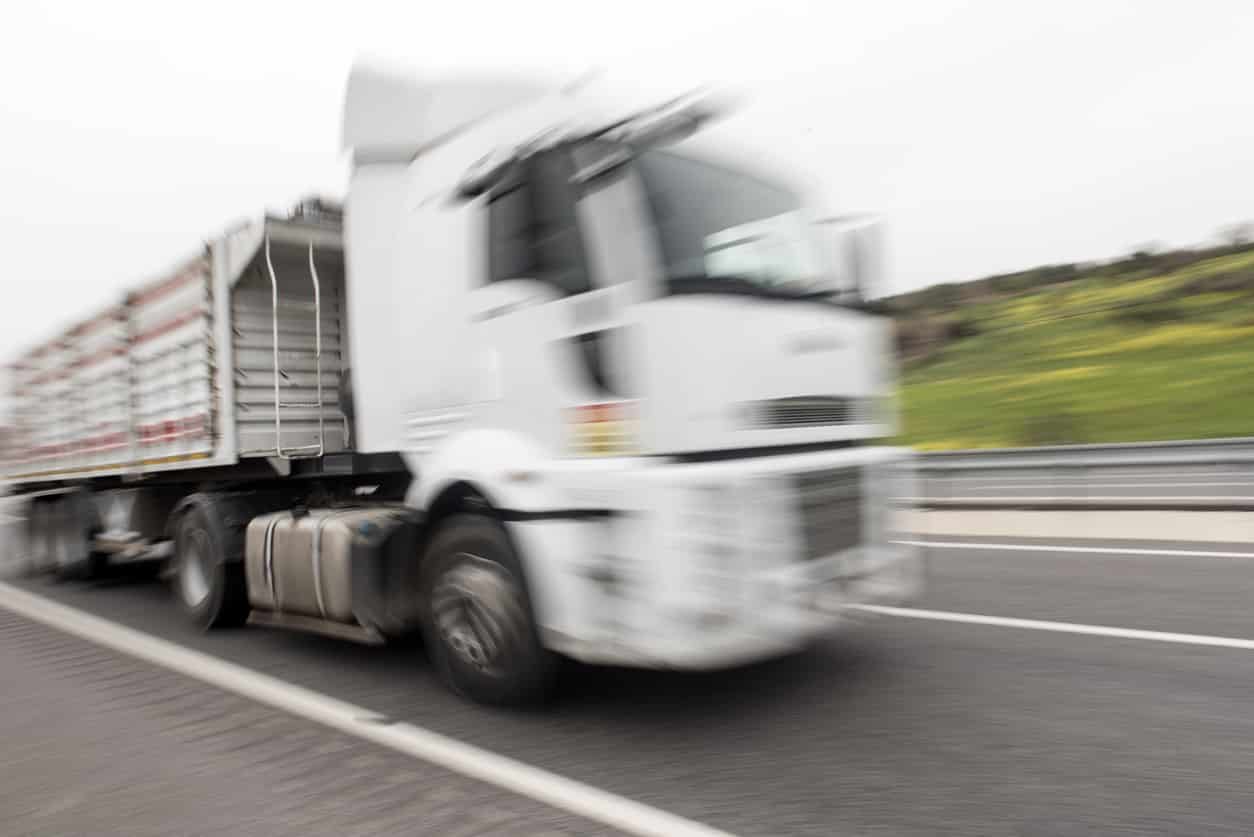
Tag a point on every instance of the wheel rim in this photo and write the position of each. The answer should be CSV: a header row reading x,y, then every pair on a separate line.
x,y
193,572
478,611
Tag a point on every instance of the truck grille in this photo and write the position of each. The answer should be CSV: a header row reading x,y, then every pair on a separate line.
x,y
810,411
831,510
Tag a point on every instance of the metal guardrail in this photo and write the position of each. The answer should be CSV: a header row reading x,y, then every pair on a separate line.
x,y
1078,470
1191,504
1229,451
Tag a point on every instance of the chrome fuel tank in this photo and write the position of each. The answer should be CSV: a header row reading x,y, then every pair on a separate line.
x,y
316,563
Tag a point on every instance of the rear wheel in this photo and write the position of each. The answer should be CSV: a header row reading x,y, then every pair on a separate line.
x,y
74,526
479,623
210,587
41,539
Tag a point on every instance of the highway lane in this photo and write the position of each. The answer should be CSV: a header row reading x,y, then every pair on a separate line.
x,y
898,726
1183,593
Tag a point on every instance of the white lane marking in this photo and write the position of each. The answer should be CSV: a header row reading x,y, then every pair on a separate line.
x,y
1010,499
957,476
1059,627
1050,484
1111,550
486,766
1055,477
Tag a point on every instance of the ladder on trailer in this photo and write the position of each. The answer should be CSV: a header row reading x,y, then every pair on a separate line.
x,y
316,449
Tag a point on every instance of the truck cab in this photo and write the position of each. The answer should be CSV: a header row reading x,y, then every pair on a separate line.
x,y
637,354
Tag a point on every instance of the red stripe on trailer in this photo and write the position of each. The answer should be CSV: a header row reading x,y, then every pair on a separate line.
x,y
103,354
47,375
187,275
192,426
169,325
109,441
51,450
171,437
113,315
39,351
101,448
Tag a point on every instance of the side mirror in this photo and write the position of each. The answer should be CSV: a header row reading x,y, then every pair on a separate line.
x,y
854,247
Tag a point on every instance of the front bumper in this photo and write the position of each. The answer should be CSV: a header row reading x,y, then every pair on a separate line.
x,y
657,584
796,608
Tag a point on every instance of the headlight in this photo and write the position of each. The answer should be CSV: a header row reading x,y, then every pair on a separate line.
x,y
607,429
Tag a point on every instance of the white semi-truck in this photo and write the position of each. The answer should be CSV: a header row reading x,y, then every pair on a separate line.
x,y
554,382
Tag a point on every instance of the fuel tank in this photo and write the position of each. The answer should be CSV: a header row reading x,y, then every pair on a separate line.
x,y
351,565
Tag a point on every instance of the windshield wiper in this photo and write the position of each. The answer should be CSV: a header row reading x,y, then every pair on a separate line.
x,y
740,285
699,283
849,300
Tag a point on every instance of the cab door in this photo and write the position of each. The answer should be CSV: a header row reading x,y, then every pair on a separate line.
x,y
569,258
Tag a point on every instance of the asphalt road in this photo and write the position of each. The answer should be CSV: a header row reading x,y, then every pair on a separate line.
x,y
897,726
101,743
1229,481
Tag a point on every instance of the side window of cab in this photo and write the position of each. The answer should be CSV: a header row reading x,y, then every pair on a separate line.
x,y
533,231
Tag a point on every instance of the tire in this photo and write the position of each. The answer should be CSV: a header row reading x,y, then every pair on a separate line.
x,y
208,582
40,541
74,526
478,620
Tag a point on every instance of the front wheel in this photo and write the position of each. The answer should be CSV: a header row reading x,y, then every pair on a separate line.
x,y
479,622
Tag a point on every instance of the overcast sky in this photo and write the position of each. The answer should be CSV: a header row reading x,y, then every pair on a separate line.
x,y
993,134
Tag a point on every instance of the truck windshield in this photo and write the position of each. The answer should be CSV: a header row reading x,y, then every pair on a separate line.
x,y
722,231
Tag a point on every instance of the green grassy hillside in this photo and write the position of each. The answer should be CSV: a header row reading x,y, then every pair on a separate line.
x,y
1152,347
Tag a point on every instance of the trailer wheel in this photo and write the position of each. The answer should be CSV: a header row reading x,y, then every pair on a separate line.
x,y
41,540
73,527
210,587
478,622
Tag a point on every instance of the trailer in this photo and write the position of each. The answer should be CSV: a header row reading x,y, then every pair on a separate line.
x,y
224,382
237,354
543,387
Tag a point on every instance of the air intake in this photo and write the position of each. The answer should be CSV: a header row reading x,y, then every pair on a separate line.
x,y
809,411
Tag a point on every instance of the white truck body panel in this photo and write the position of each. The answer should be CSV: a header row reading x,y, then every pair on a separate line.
x,y
390,115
